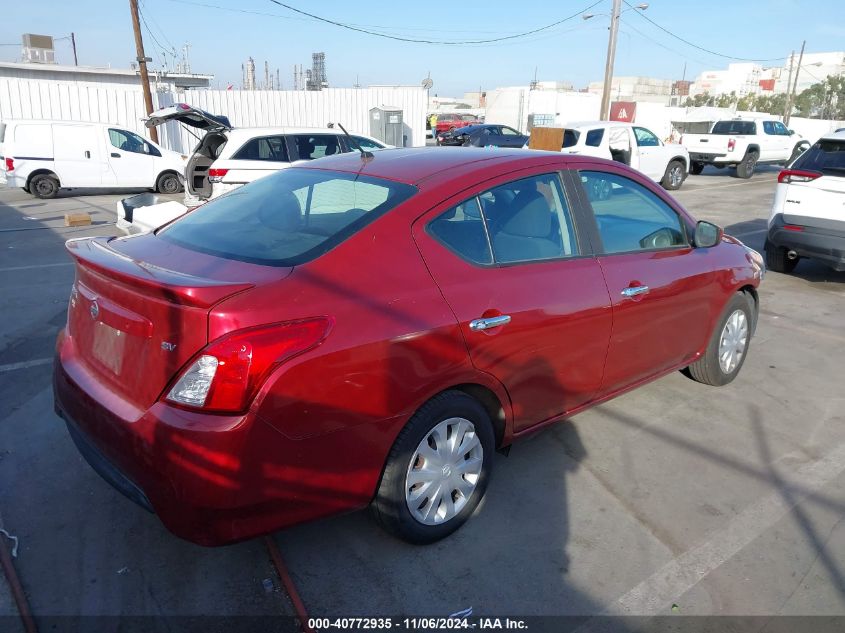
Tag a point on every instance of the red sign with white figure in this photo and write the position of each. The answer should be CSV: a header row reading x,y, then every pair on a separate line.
x,y
623,111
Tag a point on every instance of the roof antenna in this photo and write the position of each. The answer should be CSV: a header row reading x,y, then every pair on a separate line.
x,y
365,156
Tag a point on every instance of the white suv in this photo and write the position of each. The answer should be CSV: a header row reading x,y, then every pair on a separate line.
x,y
228,157
808,214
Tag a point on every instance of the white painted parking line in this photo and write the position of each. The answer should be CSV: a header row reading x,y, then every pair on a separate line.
x,y
25,364
34,266
655,594
704,187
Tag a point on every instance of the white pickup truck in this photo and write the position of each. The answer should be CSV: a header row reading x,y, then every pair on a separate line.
x,y
743,143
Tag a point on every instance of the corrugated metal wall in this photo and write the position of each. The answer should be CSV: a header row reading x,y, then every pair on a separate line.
x,y
29,99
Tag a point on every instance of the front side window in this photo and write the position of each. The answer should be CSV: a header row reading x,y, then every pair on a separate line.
x,y
781,129
594,137
645,138
521,221
269,148
127,141
287,218
509,131
629,216
311,146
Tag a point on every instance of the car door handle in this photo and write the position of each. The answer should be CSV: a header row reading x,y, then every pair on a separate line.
x,y
634,291
115,155
485,324
87,154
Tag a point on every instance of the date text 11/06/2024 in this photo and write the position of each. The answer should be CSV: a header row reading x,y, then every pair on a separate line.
x,y
416,624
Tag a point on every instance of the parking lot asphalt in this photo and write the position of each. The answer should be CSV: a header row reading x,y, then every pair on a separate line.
x,y
726,501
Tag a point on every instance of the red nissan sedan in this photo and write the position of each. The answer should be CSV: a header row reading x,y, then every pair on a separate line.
x,y
368,330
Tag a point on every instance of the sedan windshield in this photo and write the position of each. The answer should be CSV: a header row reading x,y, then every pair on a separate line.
x,y
288,218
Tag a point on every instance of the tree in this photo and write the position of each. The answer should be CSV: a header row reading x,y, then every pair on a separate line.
x,y
699,100
823,100
726,101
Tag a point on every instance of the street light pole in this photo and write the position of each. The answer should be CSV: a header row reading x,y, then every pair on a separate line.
x,y
142,65
611,56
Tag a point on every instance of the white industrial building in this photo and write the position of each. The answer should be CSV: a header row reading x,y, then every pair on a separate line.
x,y
104,77
750,78
640,89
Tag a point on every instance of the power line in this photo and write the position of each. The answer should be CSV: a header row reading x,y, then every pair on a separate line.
x,y
152,35
663,46
701,48
160,30
426,41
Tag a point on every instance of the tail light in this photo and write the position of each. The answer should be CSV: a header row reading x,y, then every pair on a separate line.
x,y
793,227
731,144
10,164
797,175
216,175
226,375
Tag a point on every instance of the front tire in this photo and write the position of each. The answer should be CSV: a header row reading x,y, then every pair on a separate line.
x,y
168,182
696,168
437,470
728,346
674,175
777,260
44,186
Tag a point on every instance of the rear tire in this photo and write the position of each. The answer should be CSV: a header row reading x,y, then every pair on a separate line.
x,y
402,510
728,346
745,169
696,168
168,182
674,176
777,260
44,186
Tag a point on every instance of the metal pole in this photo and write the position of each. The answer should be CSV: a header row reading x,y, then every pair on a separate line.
x,y
787,105
142,65
795,84
73,44
611,55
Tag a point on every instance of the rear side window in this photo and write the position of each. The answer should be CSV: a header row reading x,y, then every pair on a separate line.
x,y
570,138
735,127
594,137
2,132
521,221
311,146
629,216
826,156
288,218
769,127
269,148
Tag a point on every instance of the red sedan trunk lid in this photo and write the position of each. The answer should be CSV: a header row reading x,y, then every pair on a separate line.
x,y
136,322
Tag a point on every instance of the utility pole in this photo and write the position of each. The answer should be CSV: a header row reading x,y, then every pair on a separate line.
x,y
142,65
73,44
611,55
787,105
794,86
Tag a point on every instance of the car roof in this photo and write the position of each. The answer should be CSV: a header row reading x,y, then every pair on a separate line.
x,y
418,164
250,132
834,136
595,124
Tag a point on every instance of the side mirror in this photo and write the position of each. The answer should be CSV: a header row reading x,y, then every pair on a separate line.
x,y
707,234
791,132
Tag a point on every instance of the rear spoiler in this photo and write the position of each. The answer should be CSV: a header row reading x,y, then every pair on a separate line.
x,y
96,254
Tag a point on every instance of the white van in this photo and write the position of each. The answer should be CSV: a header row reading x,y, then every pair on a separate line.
x,y
42,157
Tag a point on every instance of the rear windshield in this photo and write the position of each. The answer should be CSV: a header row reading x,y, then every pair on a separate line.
x,y
570,138
288,218
826,156
735,127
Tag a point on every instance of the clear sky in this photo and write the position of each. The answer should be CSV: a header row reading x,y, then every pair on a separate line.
x,y
222,38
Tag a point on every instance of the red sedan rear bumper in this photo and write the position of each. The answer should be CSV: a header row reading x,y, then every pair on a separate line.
x,y
212,479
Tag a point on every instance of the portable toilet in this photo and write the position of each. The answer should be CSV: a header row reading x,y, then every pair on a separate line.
x,y
386,125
